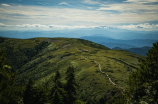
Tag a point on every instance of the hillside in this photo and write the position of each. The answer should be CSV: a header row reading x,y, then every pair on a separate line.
x,y
100,72
140,51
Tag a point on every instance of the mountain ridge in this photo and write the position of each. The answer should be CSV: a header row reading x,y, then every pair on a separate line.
x,y
39,58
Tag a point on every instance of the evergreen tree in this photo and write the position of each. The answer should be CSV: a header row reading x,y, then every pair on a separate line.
x,y
29,93
70,86
143,84
40,96
57,92
34,95
8,90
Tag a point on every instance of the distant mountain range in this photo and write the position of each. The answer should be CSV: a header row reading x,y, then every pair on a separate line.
x,y
137,46
131,41
77,33
140,51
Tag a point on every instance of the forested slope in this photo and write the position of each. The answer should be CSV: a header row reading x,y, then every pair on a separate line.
x,y
40,58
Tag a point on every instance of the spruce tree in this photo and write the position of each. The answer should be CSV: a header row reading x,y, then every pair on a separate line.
x,y
70,86
29,93
143,84
40,96
57,92
8,90
34,95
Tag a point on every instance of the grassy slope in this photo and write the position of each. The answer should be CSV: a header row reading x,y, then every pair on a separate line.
x,y
63,52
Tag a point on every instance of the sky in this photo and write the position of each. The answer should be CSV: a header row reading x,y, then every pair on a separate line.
x,y
47,15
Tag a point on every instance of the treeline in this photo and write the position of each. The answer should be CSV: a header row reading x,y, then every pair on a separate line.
x,y
19,56
143,83
60,93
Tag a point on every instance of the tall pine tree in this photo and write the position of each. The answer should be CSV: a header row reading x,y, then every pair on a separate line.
x,y
57,92
71,85
34,95
28,93
143,84
9,94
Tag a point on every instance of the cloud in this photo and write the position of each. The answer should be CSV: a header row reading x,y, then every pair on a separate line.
x,y
50,27
127,14
93,2
89,7
40,27
1,24
140,27
141,1
129,7
63,3
5,4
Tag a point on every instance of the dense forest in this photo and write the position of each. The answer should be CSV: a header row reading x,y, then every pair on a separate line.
x,y
141,84
60,93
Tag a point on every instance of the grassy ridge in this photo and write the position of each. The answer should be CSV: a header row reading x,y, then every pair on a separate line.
x,y
39,58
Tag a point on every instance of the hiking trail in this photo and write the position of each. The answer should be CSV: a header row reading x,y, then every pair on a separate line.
x,y
100,69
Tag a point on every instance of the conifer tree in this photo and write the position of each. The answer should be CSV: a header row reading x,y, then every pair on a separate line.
x,y
40,96
28,93
8,91
70,86
143,84
34,95
57,92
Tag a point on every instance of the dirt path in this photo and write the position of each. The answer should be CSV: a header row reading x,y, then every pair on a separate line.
x,y
104,73
109,77
76,47
100,69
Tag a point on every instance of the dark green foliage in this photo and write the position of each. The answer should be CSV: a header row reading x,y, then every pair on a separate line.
x,y
58,94
28,93
2,40
70,85
9,93
38,60
40,95
61,94
34,95
119,99
21,56
143,83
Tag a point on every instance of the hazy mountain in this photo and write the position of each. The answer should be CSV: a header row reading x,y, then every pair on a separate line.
x,y
125,44
140,51
77,33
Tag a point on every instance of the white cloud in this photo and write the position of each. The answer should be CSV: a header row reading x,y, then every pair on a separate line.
x,y
129,7
141,1
140,27
40,27
1,24
18,15
26,27
5,4
93,2
63,3
89,7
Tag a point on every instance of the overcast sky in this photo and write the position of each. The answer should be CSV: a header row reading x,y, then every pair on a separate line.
x,y
71,14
